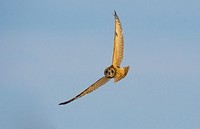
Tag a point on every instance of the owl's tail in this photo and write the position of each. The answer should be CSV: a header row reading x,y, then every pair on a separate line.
x,y
121,73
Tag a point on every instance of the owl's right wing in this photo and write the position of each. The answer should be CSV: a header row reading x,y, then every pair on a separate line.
x,y
93,87
118,51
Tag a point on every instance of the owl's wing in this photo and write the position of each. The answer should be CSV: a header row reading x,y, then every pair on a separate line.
x,y
93,87
118,51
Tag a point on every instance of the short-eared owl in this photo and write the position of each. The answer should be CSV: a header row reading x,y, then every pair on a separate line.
x,y
113,71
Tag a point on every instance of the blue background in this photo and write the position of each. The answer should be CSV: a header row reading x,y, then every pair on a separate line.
x,y
51,50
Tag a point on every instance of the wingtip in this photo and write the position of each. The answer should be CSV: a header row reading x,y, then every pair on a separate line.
x,y
64,103
115,14
61,104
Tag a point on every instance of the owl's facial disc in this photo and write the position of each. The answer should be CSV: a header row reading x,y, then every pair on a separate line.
x,y
110,72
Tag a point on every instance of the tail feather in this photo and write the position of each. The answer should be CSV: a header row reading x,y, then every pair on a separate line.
x,y
121,73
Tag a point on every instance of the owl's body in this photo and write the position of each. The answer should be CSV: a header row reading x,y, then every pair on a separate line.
x,y
116,73
113,71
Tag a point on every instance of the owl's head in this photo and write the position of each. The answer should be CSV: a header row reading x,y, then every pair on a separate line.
x,y
110,72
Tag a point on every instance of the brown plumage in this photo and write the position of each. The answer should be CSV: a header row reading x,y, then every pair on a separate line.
x,y
113,71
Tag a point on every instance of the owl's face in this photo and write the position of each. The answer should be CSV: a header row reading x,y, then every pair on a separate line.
x,y
110,72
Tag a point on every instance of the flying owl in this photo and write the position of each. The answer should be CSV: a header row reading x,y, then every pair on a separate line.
x,y
114,71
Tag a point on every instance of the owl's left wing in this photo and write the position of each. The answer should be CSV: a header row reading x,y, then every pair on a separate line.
x,y
118,52
93,87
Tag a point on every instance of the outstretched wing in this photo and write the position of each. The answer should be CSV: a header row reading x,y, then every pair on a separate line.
x,y
93,87
118,51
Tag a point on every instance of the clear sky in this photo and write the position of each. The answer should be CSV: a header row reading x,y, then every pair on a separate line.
x,y
51,50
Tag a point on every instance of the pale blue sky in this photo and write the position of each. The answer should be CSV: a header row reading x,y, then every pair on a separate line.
x,y
50,50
